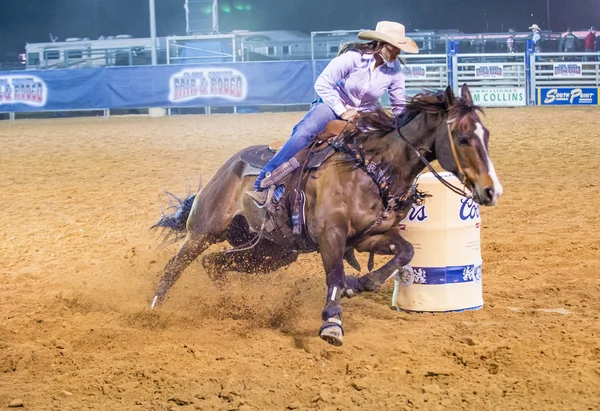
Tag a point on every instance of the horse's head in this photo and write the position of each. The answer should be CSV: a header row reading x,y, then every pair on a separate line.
x,y
462,147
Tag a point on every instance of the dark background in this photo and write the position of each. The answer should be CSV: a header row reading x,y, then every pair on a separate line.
x,y
23,21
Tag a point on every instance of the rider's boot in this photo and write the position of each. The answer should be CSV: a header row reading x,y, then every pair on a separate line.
x,y
272,180
259,197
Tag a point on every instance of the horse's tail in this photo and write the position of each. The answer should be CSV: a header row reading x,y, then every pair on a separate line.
x,y
173,220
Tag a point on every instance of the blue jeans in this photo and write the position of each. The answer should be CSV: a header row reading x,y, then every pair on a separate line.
x,y
303,134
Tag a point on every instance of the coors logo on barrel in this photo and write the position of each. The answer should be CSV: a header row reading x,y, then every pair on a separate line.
x,y
469,209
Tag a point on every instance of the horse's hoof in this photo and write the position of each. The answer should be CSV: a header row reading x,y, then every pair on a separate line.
x,y
332,332
333,335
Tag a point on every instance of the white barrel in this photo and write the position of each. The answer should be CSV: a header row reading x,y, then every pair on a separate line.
x,y
445,233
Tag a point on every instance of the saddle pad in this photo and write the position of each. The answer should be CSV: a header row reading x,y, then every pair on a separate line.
x,y
257,156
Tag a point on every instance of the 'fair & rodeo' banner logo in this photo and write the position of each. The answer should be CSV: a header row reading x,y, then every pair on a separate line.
x,y
190,84
30,90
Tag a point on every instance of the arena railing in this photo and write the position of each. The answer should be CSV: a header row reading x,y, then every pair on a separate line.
x,y
495,79
565,78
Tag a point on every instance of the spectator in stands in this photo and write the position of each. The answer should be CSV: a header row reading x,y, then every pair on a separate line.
x,y
352,82
510,42
590,43
536,37
569,42
480,44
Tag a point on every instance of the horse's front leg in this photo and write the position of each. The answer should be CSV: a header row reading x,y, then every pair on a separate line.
x,y
388,243
332,246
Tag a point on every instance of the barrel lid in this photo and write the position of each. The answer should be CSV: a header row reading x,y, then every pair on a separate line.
x,y
431,177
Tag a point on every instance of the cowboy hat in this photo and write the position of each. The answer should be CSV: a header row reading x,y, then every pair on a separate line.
x,y
391,33
535,27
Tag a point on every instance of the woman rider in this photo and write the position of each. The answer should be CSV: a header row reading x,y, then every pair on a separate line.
x,y
352,82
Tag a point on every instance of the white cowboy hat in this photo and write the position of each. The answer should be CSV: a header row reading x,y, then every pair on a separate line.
x,y
391,33
535,27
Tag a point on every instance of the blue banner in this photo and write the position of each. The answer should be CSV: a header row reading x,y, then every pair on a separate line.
x,y
47,90
560,96
219,84
228,84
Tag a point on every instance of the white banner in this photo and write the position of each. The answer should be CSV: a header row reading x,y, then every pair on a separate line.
x,y
192,83
412,72
568,70
499,96
25,89
489,70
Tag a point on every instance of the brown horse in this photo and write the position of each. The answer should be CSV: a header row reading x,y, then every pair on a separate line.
x,y
354,201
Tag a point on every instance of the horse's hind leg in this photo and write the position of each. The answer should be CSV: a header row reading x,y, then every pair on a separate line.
x,y
264,257
192,247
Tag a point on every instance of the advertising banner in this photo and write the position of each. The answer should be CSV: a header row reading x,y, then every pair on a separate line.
x,y
567,70
414,72
48,90
561,96
489,70
219,84
223,84
499,96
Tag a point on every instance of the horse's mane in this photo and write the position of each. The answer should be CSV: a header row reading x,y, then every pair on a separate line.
x,y
433,102
379,122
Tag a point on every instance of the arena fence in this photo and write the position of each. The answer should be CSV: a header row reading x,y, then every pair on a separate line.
x,y
496,80
565,78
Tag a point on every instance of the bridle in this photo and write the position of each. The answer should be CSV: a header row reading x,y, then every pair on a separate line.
x,y
461,175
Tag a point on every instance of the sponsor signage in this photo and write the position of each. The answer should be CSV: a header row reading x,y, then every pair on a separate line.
x,y
561,96
567,70
489,70
24,89
413,72
499,96
190,84
469,209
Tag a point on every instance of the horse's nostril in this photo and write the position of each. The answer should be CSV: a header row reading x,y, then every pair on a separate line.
x,y
489,193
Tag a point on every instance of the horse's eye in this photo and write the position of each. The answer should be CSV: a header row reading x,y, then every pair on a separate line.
x,y
463,141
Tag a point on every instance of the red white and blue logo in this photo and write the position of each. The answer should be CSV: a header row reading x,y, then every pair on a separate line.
x,y
23,89
191,84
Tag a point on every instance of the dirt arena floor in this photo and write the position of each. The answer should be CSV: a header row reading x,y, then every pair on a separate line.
x,y
78,268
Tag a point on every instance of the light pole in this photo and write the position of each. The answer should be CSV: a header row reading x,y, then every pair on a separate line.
x,y
153,31
548,13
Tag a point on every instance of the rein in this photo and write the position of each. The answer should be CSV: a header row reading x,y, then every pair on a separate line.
x,y
441,179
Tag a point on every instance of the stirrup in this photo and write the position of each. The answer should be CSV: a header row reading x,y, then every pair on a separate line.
x,y
261,198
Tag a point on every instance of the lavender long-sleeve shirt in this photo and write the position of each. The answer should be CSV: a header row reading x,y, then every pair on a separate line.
x,y
349,80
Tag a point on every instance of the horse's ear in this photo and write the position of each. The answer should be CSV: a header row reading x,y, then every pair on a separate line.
x,y
466,93
449,98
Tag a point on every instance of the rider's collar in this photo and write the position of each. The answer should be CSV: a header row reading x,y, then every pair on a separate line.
x,y
369,56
